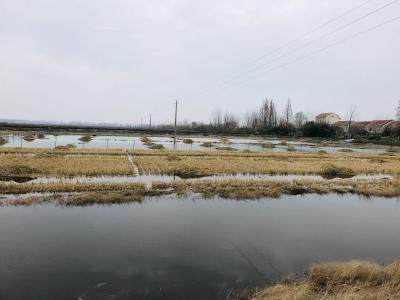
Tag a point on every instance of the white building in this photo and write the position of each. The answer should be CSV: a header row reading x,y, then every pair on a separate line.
x,y
327,118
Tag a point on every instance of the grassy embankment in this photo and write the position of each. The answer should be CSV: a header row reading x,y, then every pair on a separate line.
x,y
355,280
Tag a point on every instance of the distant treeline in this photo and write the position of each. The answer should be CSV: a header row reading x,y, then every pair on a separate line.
x,y
264,121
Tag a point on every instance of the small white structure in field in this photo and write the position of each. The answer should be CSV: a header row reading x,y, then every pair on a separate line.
x,y
327,118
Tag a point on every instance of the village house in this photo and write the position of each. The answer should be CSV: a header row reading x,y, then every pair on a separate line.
x,y
355,127
393,128
327,118
377,126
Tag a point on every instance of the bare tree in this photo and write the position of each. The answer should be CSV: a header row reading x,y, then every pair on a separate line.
x,y
216,118
288,112
264,113
273,116
252,121
398,111
230,121
299,119
351,112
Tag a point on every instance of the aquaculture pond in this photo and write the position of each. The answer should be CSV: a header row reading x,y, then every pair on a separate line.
x,y
185,248
199,143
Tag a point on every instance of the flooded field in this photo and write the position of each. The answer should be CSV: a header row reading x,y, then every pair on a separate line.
x,y
198,143
185,248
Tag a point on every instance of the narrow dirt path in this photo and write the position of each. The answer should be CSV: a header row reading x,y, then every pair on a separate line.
x,y
135,168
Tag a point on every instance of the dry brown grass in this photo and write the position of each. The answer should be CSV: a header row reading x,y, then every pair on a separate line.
x,y
255,189
230,189
29,137
3,141
355,280
50,164
217,162
63,187
80,199
277,164
86,138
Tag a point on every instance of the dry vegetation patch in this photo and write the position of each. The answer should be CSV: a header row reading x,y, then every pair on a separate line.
x,y
50,164
63,187
77,199
272,164
256,189
356,280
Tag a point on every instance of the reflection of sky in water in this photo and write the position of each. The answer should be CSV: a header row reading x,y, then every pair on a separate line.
x,y
183,249
126,142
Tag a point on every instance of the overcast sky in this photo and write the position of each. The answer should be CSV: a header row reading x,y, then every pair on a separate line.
x,y
120,60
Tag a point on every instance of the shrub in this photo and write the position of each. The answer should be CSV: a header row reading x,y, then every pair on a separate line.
x,y
334,171
268,145
207,145
312,129
29,137
86,138
188,141
3,141
227,149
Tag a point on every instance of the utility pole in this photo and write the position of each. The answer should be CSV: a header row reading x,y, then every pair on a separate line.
x,y
176,115
150,123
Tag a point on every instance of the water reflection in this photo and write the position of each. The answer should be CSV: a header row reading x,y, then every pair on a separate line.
x,y
184,248
149,178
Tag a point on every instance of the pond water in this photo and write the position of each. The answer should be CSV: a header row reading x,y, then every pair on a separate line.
x,y
134,142
185,248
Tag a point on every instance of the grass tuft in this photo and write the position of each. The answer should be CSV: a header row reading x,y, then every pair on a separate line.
x,y
356,280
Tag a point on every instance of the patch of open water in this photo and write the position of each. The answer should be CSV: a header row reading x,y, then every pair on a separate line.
x,y
134,142
174,248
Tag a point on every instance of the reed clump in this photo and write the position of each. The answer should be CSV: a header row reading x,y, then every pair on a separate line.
x,y
207,145
77,199
335,171
66,147
29,137
268,145
225,140
226,149
149,143
234,162
188,141
283,143
3,141
356,280
146,140
68,187
155,146
256,189
86,138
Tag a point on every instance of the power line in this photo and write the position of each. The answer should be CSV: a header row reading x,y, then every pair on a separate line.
x,y
320,50
237,77
303,35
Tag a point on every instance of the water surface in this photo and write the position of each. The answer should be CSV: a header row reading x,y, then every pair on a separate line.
x,y
185,248
134,142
